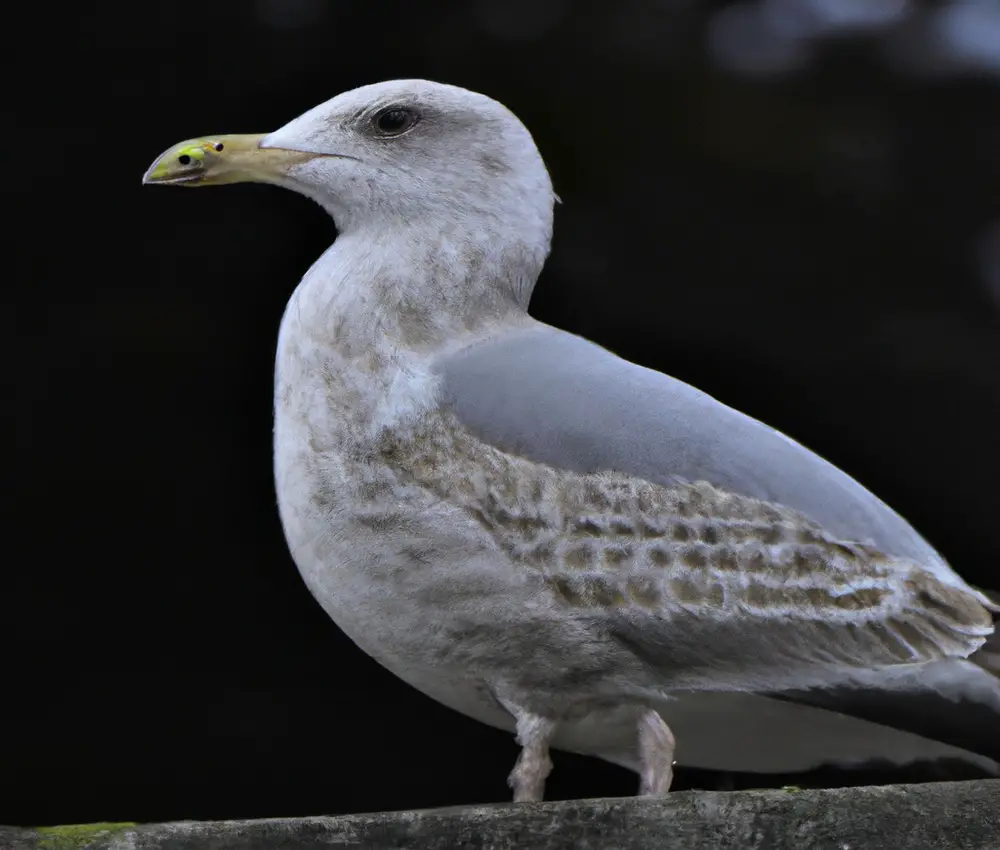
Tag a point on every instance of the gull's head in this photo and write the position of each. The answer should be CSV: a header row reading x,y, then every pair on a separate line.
x,y
391,153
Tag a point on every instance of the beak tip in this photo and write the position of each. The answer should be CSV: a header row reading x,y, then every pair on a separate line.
x,y
149,177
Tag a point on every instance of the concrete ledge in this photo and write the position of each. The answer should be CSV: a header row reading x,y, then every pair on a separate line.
x,y
935,816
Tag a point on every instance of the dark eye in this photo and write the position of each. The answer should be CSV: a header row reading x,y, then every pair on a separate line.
x,y
394,120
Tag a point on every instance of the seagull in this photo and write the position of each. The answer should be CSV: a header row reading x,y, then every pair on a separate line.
x,y
547,537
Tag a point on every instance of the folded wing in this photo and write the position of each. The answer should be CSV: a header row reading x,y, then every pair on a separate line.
x,y
851,584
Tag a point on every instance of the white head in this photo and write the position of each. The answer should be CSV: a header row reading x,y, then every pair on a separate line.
x,y
410,147
399,156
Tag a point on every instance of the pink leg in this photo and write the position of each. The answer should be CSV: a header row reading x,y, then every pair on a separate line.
x,y
656,755
533,764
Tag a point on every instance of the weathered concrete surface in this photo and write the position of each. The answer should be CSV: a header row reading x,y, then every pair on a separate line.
x,y
937,816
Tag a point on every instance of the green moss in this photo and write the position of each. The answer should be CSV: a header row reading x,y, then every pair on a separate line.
x,y
76,836
791,789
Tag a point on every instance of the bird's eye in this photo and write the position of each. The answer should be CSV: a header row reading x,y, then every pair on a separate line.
x,y
394,121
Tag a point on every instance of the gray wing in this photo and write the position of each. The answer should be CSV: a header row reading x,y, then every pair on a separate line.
x,y
558,399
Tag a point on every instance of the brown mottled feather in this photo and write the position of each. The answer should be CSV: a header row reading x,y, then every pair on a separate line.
x,y
691,577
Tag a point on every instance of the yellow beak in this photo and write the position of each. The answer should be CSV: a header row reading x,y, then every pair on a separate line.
x,y
222,159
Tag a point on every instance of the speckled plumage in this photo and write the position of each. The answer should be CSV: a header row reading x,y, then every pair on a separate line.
x,y
533,585
615,543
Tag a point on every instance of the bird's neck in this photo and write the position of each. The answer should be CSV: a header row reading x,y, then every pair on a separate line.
x,y
361,331
413,289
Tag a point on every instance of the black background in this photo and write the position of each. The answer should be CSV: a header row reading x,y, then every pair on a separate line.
x,y
807,246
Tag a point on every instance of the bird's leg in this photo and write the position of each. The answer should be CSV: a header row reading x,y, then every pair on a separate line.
x,y
656,755
533,764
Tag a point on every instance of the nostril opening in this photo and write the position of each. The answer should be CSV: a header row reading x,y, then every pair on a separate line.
x,y
219,146
184,159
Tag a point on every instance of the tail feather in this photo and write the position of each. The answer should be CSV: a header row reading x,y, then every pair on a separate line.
x,y
954,702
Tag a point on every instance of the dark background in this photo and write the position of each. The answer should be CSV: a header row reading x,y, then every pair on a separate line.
x,y
792,204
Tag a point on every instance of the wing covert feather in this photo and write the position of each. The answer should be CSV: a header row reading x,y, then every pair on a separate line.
x,y
557,399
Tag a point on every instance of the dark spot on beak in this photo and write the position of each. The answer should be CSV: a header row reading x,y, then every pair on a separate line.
x,y
184,159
